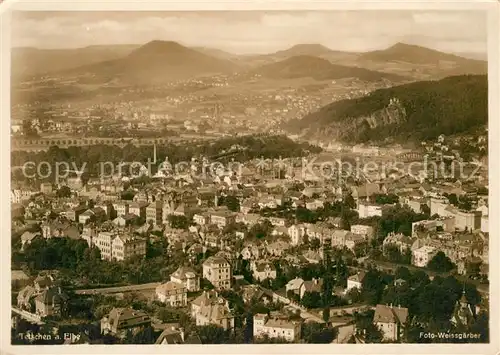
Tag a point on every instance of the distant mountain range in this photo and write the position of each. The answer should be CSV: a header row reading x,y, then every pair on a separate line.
x,y
217,53
402,59
27,62
410,112
302,66
160,61
314,50
473,55
157,62
402,52
447,64
317,50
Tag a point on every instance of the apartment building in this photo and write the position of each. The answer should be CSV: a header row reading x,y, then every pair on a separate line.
x,y
314,285
276,328
401,241
424,225
415,205
124,247
74,213
172,293
276,221
222,219
120,321
468,220
104,242
339,238
364,230
17,196
249,219
366,210
218,271
321,232
51,301
423,255
210,308
201,218
138,208
391,321
107,207
154,212
121,208
263,270
297,233
355,281
187,277
485,224
115,246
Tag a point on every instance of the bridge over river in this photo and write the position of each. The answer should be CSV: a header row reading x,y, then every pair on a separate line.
x,y
41,144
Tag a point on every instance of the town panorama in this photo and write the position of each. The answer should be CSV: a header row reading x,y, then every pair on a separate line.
x,y
249,178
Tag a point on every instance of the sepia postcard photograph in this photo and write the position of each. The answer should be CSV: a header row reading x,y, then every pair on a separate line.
x,y
257,177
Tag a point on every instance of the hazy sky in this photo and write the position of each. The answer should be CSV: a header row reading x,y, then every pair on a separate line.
x,y
256,32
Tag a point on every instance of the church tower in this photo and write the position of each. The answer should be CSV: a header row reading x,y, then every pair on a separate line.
x,y
462,315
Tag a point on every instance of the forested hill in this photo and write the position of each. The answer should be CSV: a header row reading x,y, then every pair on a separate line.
x,y
416,111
